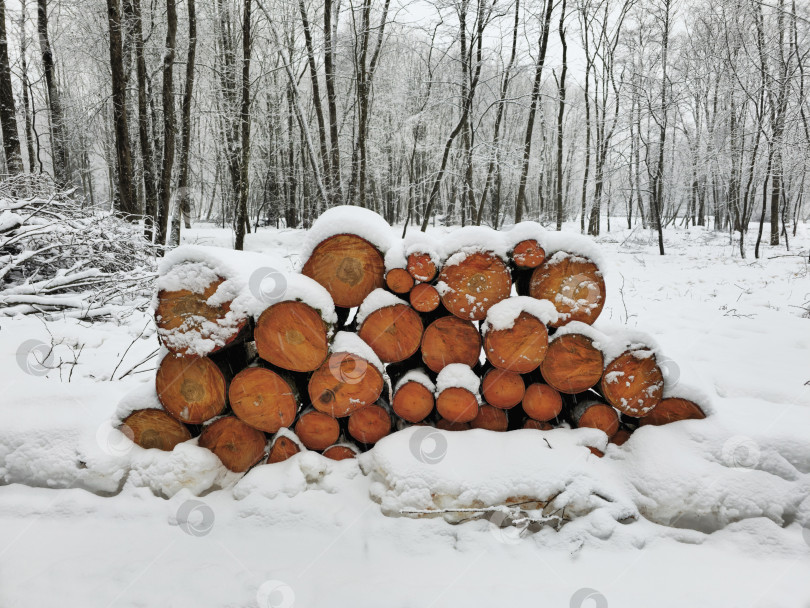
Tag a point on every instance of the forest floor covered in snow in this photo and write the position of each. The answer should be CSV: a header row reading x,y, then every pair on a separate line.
x,y
712,512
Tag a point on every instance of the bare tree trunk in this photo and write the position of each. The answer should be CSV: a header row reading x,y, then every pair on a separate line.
x,y
241,212
169,122
27,112
8,112
331,104
658,188
560,115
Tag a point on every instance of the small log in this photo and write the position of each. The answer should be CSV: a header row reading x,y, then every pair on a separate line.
x,y
393,332
293,336
572,364
633,383
421,267
343,384
282,449
521,348
348,266
399,280
528,254
238,445
502,389
593,414
542,402
154,428
450,340
340,452
191,389
596,451
531,423
456,404
490,418
263,399
317,431
369,424
446,425
474,284
672,409
621,437
424,298
413,402
574,285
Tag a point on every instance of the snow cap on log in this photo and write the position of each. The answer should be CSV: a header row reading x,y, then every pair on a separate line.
x,y
503,315
348,219
292,287
473,239
351,343
457,375
377,299
416,375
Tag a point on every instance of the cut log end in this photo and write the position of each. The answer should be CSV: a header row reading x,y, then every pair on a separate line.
x,y
421,267
542,402
595,415
457,404
343,384
572,364
447,425
502,389
399,280
574,285
528,254
348,266
673,409
450,340
413,402
369,424
292,336
491,419
238,445
633,383
531,423
283,448
339,452
520,348
393,332
192,389
317,431
621,437
154,428
475,284
424,298
263,399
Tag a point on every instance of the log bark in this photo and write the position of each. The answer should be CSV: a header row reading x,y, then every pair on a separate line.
x,y
520,348
154,428
502,389
340,452
596,415
475,284
293,336
672,409
191,389
348,266
393,332
317,431
369,424
450,340
528,254
238,445
456,404
263,399
572,364
424,298
490,418
413,402
633,383
282,449
542,402
399,280
343,384
421,267
574,285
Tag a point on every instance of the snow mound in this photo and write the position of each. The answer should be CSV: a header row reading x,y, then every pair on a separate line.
x,y
457,375
459,243
377,299
503,315
347,219
351,343
416,375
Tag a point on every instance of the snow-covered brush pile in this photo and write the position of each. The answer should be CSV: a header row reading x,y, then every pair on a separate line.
x,y
60,256
483,330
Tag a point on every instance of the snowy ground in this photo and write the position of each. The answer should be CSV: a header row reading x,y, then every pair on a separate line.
x,y
700,513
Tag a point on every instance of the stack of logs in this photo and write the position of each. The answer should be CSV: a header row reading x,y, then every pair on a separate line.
x,y
285,380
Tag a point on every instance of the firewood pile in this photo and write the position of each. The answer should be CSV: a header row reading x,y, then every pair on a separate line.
x,y
476,329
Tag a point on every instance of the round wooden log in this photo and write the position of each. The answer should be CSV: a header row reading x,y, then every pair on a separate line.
x,y
369,424
421,267
572,364
457,404
282,449
154,428
393,332
473,285
263,399
531,423
450,340
192,389
317,431
596,451
520,348
413,402
424,298
672,409
621,437
348,266
542,402
574,285
446,425
182,311
528,254
633,383
292,336
596,415
340,452
238,445
490,418
502,389
399,280
343,384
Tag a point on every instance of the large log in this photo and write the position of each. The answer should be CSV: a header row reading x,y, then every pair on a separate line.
x,y
520,348
263,399
191,389
283,448
672,409
293,336
238,445
472,283
450,340
344,383
502,389
348,266
542,402
317,431
572,363
424,298
393,332
154,428
593,414
573,284
633,383
369,424
490,418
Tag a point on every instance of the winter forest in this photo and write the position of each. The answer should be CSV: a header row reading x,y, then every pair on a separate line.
x,y
267,112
